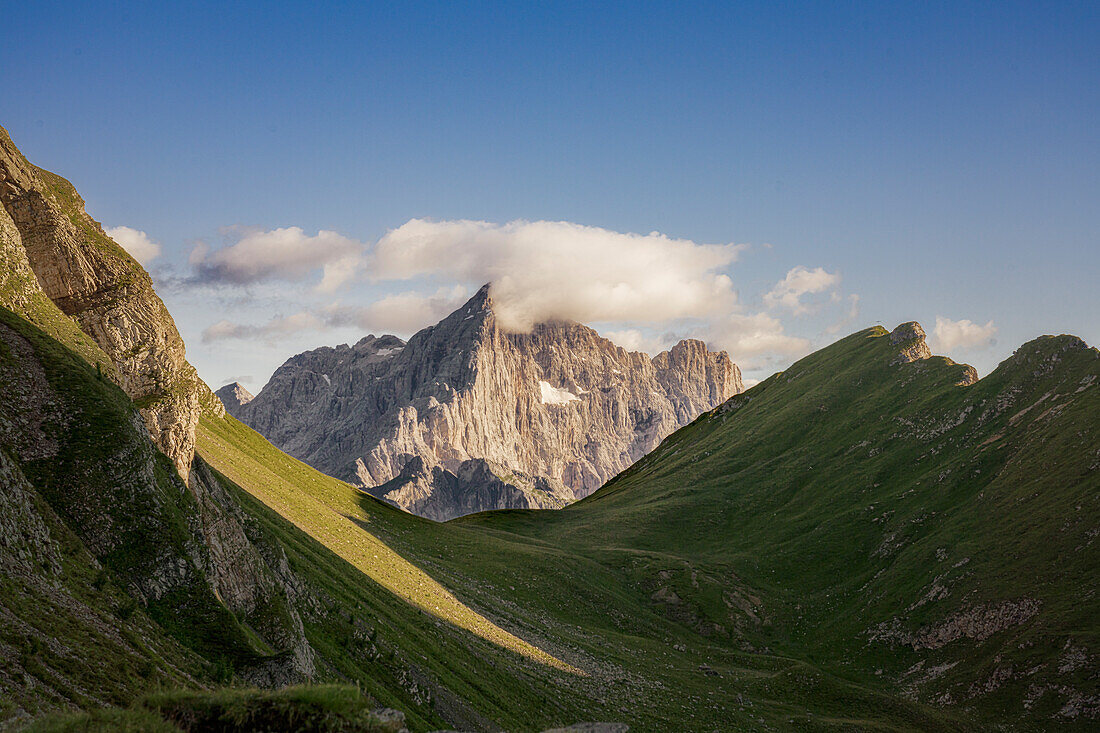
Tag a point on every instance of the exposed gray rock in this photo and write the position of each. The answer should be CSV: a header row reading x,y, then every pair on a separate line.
x,y
912,338
474,486
390,719
248,582
233,396
553,413
977,623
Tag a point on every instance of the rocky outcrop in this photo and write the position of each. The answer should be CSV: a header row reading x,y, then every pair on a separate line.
x,y
252,583
233,396
911,337
60,273
553,413
977,623
106,292
86,449
473,486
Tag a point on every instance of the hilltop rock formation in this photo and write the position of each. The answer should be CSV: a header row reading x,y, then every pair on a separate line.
x,y
911,337
467,417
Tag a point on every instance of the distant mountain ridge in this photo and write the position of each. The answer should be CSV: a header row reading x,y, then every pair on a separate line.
x,y
467,417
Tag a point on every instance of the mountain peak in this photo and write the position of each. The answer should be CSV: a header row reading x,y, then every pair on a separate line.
x,y
233,395
481,300
906,332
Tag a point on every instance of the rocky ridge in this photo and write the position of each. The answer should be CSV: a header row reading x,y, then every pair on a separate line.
x,y
467,417
62,274
91,279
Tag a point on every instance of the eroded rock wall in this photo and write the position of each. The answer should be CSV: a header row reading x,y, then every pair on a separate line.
x,y
560,405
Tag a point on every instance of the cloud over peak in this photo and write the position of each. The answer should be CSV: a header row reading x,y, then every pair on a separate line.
x,y
962,334
543,270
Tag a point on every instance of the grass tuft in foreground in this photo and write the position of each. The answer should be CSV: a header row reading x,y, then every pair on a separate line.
x,y
314,709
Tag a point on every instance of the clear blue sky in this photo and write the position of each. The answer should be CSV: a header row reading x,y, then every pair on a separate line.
x,y
942,158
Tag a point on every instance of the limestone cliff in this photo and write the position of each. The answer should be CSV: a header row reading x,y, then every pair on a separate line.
x,y
553,413
62,275
106,292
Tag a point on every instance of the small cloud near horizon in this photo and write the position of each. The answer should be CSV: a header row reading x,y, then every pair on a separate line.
x,y
962,334
137,243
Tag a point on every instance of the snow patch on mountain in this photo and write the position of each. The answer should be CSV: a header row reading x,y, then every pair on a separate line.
x,y
551,395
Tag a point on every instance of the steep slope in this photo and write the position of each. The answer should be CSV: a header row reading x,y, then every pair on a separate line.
x,y
467,417
878,510
75,303
104,550
109,295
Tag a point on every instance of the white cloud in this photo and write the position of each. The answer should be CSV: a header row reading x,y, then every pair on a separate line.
x,y
402,313
798,282
963,334
287,253
274,329
136,242
750,383
755,340
546,270
633,339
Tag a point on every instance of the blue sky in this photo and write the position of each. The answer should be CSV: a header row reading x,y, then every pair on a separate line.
x,y
936,160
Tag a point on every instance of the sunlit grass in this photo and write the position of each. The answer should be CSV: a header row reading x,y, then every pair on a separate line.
x,y
326,509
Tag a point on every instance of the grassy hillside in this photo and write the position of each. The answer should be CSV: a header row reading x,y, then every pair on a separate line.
x,y
73,633
622,656
316,708
882,520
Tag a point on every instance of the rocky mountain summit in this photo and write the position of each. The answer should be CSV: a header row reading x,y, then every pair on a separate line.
x,y
467,417
233,396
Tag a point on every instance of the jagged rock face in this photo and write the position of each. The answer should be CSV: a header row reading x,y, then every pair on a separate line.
x,y
559,404
109,295
248,579
233,396
61,273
